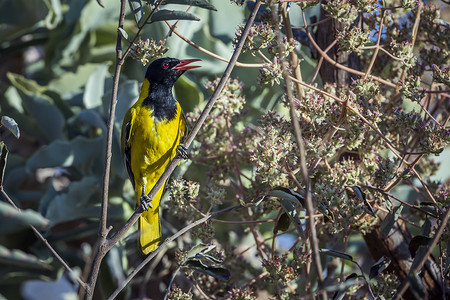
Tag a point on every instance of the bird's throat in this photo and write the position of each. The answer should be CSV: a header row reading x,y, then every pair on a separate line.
x,y
161,101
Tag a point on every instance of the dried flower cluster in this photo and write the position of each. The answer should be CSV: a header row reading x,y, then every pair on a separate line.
x,y
145,51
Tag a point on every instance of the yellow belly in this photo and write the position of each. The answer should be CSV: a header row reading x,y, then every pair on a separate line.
x,y
154,145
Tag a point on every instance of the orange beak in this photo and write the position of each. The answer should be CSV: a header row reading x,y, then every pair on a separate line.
x,y
183,65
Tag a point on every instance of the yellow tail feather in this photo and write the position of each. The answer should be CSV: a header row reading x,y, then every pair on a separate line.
x,y
150,224
150,231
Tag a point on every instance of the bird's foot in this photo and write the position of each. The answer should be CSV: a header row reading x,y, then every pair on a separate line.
x,y
146,202
182,151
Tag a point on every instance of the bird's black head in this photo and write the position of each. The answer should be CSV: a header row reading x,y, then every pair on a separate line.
x,y
167,70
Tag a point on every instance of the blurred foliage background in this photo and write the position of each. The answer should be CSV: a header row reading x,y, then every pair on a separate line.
x,y
56,63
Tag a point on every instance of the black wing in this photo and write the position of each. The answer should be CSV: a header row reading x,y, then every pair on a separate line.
x,y
127,152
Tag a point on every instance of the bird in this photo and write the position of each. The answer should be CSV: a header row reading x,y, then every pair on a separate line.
x,y
152,131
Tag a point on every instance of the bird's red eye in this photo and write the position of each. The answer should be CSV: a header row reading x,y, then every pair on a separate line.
x,y
165,65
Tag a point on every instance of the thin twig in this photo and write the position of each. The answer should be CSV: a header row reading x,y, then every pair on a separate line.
x,y
420,261
165,244
377,45
103,231
319,64
414,34
293,58
44,240
301,148
338,65
212,54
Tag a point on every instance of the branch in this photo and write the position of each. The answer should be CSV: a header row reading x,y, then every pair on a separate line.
x,y
377,46
293,58
41,237
338,65
299,139
212,54
103,231
420,261
165,244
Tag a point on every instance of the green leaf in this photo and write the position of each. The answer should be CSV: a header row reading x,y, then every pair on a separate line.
x,y
416,242
95,87
390,220
55,15
362,196
27,86
11,125
198,259
75,203
282,223
426,227
387,202
39,106
417,287
289,200
379,267
188,93
335,253
212,270
288,194
128,94
66,153
90,117
291,211
137,10
123,33
166,15
327,212
200,248
3,157
350,281
13,220
47,116
72,82
21,259
199,3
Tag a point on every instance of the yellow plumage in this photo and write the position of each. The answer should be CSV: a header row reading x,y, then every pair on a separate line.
x,y
152,143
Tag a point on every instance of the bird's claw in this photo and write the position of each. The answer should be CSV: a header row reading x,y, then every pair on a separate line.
x,y
182,151
146,202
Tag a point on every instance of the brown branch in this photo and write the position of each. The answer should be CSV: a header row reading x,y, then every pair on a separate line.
x,y
212,54
44,240
124,283
319,64
293,58
338,65
312,24
414,34
301,147
377,45
421,260
103,231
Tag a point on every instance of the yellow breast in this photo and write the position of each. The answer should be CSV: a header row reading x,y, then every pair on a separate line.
x,y
154,143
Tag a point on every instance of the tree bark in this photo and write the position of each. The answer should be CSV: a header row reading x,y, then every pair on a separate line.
x,y
395,246
325,35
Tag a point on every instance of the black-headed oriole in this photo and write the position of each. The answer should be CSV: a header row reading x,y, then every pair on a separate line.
x,y
151,133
